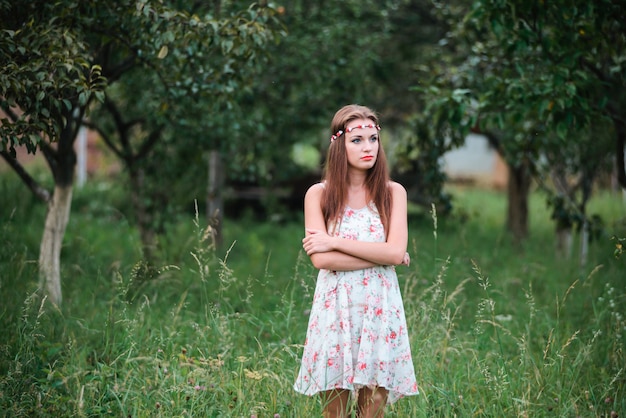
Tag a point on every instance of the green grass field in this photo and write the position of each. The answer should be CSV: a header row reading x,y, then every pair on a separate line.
x,y
497,330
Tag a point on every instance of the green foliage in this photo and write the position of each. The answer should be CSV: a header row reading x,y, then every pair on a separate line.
x,y
36,44
180,71
154,67
496,330
335,53
538,79
537,69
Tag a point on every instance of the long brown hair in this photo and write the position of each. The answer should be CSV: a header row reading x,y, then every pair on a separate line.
x,y
335,175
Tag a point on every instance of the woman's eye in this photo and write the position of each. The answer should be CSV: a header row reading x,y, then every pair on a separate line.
x,y
374,139
356,140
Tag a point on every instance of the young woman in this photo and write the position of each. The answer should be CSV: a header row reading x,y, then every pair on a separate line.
x,y
355,234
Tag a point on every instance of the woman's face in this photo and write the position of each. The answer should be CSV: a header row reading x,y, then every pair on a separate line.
x,y
362,143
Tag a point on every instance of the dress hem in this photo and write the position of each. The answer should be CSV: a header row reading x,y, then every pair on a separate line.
x,y
392,397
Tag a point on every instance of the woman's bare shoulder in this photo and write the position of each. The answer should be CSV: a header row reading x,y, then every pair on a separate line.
x,y
396,187
315,190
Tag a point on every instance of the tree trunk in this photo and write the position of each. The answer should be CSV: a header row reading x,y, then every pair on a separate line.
x,y
144,217
620,128
214,201
562,217
57,217
62,163
564,242
518,188
586,186
584,243
517,211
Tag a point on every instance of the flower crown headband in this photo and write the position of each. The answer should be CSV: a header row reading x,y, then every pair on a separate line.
x,y
340,132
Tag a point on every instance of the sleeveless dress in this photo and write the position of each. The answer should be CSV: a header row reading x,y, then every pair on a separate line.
x,y
357,332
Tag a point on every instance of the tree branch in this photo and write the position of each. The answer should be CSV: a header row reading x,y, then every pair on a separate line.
x,y
148,144
126,151
493,140
107,140
116,72
10,113
40,192
50,155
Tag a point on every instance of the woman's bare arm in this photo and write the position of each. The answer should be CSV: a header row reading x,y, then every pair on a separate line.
x,y
322,248
314,220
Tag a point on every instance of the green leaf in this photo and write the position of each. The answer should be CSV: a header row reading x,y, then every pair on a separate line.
x,y
227,46
34,139
562,130
100,95
83,97
163,52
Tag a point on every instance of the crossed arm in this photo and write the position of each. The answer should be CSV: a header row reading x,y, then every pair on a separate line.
x,y
335,253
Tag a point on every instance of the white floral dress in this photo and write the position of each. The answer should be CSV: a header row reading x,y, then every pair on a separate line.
x,y
357,333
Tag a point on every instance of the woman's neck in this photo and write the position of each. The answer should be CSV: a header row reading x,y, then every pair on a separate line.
x,y
356,179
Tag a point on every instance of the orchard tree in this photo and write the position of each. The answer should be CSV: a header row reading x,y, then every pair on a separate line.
x,y
56,54
47,83
567,175
159,123
533,75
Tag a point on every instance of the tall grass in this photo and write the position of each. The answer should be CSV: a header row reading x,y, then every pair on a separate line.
x,y
496,330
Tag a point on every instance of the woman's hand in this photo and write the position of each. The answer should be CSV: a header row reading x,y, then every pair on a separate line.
x,y
406,261
317,242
